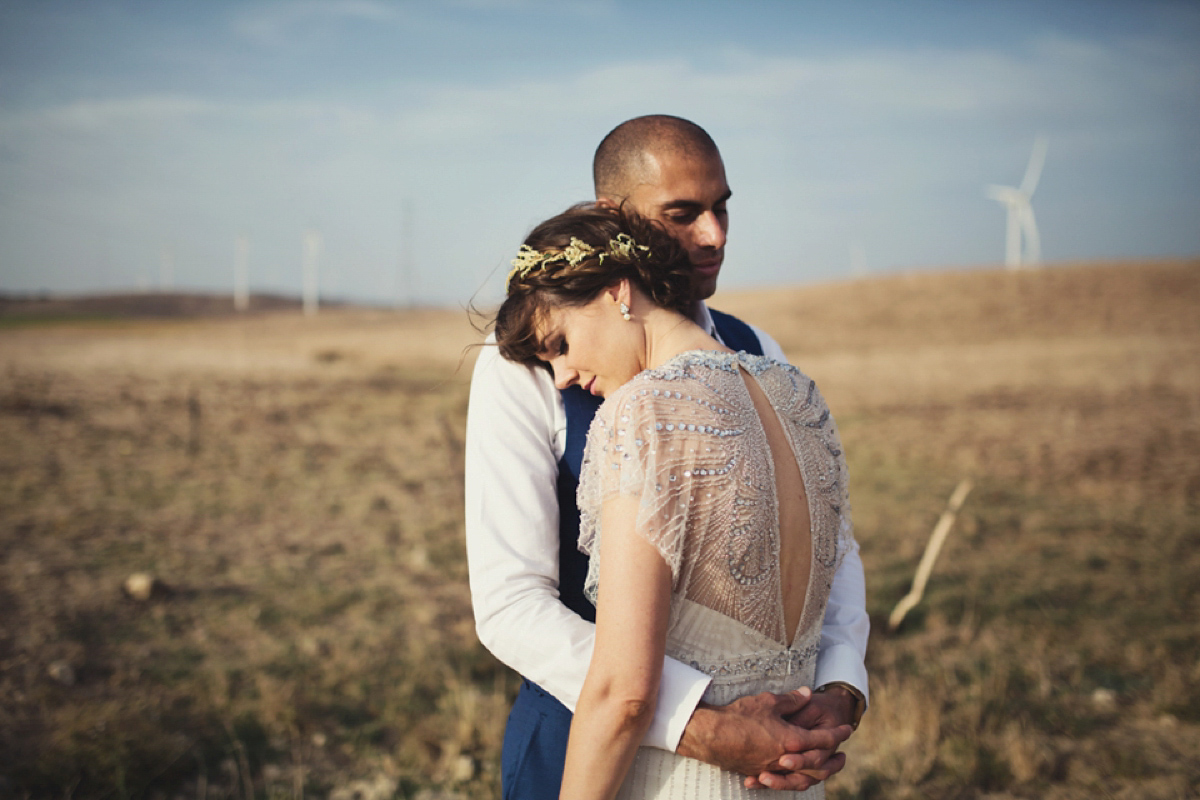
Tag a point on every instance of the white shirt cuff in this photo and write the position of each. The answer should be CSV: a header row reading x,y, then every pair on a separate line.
x,y
842,663
678,695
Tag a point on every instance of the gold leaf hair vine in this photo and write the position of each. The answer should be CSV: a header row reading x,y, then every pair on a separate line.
x,y
623,248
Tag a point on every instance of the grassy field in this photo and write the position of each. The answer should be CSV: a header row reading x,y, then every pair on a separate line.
x,y
294,486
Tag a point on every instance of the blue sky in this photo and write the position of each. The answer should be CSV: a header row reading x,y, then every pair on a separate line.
x,y
134,135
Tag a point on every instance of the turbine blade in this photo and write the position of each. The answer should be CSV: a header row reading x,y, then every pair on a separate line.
x,y
1033,172
1012,237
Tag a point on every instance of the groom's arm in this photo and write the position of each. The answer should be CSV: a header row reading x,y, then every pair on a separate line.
x,y
512,545
512,528
844,632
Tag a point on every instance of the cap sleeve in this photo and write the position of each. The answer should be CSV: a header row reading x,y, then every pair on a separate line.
x,y
640,445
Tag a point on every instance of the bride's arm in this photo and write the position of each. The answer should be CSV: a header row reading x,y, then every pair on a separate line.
x,y
617,703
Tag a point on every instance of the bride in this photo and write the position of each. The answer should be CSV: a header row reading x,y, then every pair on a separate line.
x,y
712,497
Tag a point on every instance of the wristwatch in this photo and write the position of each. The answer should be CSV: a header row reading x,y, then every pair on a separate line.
x,y
860,702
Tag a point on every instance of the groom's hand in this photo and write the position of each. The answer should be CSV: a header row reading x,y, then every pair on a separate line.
x,y
752,734
833,709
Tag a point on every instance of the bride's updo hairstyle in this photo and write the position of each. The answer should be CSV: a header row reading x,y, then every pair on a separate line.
x,y
569,259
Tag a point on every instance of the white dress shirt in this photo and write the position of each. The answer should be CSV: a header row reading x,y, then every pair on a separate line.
x,y
516,434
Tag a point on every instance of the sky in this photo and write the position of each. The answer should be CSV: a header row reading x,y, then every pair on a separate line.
x,y
422,140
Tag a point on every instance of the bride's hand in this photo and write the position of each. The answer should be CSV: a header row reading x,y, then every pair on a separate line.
x,y
800,779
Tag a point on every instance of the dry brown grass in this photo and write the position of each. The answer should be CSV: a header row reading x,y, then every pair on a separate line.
x,y
296,485
1057,653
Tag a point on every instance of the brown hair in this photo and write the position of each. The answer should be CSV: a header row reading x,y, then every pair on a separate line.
x,y
662,272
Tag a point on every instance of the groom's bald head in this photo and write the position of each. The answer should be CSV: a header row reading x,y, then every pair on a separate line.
x,y
629,154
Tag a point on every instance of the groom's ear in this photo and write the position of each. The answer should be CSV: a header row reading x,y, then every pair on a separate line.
x,y
607,202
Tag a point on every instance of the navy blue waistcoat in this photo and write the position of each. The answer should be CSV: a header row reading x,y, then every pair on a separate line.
x,y
581,407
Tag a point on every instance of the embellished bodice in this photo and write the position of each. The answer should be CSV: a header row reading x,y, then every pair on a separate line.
x,y
685,439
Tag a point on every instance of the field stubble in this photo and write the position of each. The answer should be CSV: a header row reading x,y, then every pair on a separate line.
x,y
295,486
1055,654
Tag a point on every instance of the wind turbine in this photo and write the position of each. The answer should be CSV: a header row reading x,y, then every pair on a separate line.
x,y
1020,212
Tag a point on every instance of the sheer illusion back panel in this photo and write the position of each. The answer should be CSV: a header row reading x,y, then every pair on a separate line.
x,y
687,440
793,522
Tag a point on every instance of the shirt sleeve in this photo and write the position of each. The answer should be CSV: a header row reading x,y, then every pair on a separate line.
x,y
844,633
511,507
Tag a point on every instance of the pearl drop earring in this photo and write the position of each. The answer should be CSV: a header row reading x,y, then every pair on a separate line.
x,y
625,312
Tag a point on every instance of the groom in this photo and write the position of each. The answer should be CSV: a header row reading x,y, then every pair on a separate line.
x,y
524,445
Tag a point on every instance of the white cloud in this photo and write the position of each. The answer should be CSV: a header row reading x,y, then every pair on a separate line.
x,y
886,146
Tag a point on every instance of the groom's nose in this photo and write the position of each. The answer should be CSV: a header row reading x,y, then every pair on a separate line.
x,y
708,231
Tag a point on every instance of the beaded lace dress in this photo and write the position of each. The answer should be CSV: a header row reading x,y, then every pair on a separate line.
x,y
685,438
